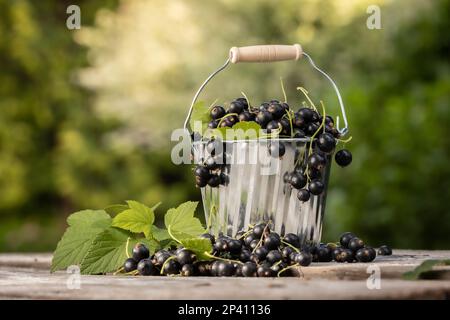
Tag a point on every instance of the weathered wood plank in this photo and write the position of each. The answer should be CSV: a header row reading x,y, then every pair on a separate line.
x,y
26,276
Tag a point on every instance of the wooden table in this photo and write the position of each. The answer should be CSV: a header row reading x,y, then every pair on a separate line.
x,y
26,276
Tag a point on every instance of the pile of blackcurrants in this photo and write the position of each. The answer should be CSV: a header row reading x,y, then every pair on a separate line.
x,y
279,120
257,252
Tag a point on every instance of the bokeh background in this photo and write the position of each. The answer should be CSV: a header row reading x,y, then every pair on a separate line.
x,y
86,115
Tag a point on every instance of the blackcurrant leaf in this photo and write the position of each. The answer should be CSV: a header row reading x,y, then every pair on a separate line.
x,y
115,209
423,268
200,113
84,226
181,223
138,218
201,247
109,250
160,234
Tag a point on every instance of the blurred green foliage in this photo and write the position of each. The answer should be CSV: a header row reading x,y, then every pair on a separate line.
x,y
85,116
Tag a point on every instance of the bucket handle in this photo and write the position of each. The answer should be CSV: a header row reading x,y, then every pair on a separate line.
x,y
270,53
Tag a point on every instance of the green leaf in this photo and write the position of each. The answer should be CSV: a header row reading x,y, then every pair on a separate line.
x,y
201,247
109,251
180,222
84,226
200,112
239,131
138,218
160,234
115,209
424,267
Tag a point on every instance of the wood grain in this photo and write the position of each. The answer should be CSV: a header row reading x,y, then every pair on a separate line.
x,y
27,276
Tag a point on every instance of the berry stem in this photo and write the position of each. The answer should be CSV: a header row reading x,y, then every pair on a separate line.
x,y
287,268
305,92
313,136
206,253
132,273
118,271
282,89
172,236
126,248
346,140
164,264
262,236
248,101
290,122
226,116
212,105
290,245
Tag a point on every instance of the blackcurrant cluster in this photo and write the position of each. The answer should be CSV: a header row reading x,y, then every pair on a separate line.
x,y
214,170
279,120
256,252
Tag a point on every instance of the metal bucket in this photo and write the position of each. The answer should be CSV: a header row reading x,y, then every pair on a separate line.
x,y
252,194
257,191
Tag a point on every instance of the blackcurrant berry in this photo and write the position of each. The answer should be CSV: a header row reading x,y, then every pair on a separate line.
x,y
263,118
226,123
272,126
258,230
202,268
315,116
130,265
303,258
272,241
221,245
146,268
224,179
236,107
187,270
185,257
314,173
324,254
248,239
265,271
345,238
215,268
140,252
298,121
214,181
306,114
215,147
286,253
245,254
243,101
213,124
208,236
200,182
254,244
343,157
261,253
335,253
326,142
217,112
292,239
298,180
276,110
316,187
201,172
264,106
317,161
345,255
287,177
234,246
366,254
303,195
161,258
246,116
249,269
384,251
299,133
277,149
225,269
210,163
355,244
311,128
171,267
273,256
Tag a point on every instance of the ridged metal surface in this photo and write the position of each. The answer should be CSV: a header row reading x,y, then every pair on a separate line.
x,y
256,194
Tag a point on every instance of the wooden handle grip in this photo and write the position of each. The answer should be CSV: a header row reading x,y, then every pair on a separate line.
x,y
265,53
